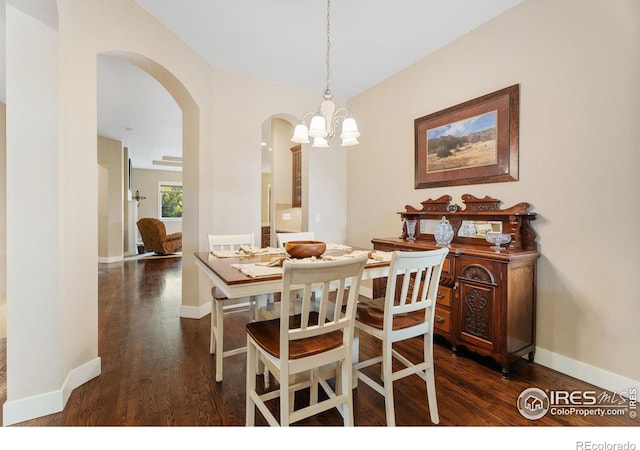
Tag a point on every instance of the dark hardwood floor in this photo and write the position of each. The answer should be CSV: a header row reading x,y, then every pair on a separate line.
x,y
157,371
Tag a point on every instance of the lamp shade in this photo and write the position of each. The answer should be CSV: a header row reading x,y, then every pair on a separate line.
x,y
350,129
300,134
318,127
320,142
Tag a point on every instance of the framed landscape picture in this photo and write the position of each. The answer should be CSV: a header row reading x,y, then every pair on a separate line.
x,y
471,143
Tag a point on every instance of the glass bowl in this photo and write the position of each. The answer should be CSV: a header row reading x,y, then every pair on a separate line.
x,y
497,239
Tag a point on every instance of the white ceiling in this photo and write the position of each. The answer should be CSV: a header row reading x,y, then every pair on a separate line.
x,y
282,41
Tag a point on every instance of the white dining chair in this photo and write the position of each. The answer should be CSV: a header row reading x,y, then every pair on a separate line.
x,y
219,242
406,311
283,238
297,348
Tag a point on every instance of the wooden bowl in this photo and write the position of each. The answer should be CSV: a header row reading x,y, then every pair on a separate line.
x,y
305,249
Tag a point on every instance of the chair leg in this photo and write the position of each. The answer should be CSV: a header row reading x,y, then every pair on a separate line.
x,y
313,388
355,356
345,384
292,396
250,414
285,400
431,382
212,342
219,339
265,375
387,370
258,302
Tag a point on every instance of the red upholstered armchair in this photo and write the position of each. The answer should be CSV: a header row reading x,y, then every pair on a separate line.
x,y
155,238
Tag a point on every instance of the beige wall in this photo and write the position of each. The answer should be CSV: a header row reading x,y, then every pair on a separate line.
x,y
578,66
3,222
103,212
111,214
265,204
281,132
34,173
286,218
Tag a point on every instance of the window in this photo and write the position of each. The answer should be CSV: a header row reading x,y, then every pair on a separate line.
x,y
170,200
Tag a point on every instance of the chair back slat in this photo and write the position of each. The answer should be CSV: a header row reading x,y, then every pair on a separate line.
x,y
413,283
338,280
218,242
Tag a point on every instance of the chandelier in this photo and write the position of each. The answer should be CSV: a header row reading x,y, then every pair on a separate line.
x,y
325,121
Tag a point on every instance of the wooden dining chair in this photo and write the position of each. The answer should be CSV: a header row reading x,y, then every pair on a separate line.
x,y
296,348
218,300
406,311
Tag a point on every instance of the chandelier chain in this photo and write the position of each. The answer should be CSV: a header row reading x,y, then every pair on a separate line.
x,y
328,91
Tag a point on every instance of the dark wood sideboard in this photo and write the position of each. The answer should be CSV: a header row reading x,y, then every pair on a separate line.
x,y
487,299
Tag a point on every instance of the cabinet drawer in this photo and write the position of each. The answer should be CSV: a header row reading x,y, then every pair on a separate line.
x,y
479,270
444,296
441,320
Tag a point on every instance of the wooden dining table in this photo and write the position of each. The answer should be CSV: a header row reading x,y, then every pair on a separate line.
x,y
234,284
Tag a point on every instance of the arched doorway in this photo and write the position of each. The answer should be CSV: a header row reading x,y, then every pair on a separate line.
x,y
279,211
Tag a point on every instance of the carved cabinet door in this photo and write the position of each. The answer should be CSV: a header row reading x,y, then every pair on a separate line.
x,y
479,310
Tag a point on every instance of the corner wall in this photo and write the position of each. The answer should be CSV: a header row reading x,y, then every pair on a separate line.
x,y
578,66
111,233
3,221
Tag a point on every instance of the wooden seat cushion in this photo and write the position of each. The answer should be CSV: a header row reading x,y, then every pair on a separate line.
x,y
267,335
371,312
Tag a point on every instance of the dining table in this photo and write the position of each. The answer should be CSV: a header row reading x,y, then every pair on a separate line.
x,y
227,275
258,273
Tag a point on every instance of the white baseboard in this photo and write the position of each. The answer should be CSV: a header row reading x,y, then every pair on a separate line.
x,y
51,402
109,259
195,312
585,372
